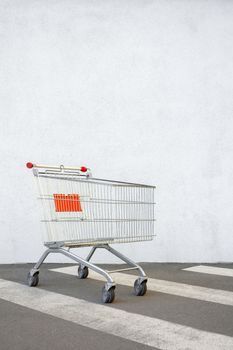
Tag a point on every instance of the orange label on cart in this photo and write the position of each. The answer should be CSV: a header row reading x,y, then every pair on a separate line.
x,y
67,202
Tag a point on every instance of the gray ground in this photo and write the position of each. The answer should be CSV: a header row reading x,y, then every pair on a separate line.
x,y
22,328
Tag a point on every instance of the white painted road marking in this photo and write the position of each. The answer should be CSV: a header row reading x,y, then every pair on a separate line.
x,y
211,270
142,329
168,287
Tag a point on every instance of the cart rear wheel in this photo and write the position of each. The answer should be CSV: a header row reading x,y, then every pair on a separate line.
x,y
140,287
108,295
82,272
33,280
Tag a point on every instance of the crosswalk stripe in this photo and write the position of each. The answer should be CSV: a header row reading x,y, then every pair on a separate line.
x,y
142,329
162,286
211,270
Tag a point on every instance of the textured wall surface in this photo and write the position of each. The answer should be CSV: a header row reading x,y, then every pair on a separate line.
x,y
137,90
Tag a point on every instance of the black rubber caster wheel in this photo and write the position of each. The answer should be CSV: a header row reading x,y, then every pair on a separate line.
x,y
82,272
33,280
108,295
140,287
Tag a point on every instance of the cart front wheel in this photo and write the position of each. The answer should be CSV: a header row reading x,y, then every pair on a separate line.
x,y
33,280
140,288
82,272
108,295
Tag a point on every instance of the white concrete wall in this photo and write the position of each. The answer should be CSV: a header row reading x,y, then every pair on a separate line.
x,y
137,90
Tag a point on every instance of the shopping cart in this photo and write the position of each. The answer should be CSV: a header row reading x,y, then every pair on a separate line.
x,y
80,210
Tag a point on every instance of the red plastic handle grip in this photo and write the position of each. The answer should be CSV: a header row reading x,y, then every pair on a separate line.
x,y
29,165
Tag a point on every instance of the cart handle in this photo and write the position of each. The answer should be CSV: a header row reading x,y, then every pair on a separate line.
x,y
83,169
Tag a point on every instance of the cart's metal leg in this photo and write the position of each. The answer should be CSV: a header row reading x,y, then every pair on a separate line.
x,y
110,282
88,258
36,268
92,251
34,272
130,262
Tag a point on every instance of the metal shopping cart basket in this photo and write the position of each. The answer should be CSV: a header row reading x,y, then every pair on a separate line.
x,y
80,210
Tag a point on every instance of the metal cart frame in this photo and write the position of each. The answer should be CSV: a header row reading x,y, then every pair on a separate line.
x,y
64,246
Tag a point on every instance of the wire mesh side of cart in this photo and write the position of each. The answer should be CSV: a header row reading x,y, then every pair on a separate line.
x,y
85,210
